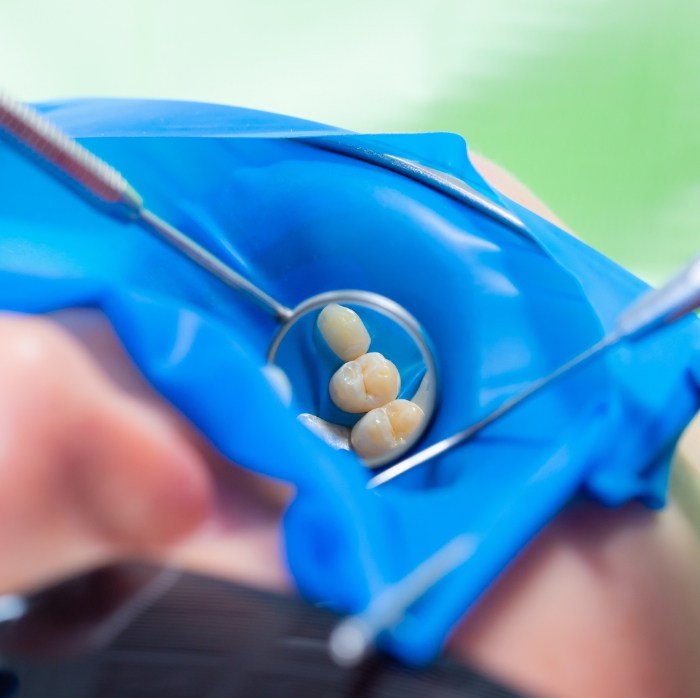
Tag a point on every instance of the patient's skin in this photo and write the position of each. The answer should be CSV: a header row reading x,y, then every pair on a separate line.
x,y
95,467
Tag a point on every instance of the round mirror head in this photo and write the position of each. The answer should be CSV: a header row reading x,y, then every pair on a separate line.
x,y
362,371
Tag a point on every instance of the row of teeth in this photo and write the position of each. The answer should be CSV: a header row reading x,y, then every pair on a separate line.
x,y
367,383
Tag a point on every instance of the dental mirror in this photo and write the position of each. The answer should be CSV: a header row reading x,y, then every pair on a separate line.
x,y
375,394
397,412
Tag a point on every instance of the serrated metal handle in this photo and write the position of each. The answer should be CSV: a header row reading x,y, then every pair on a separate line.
x,y
664,305
99,183
106,189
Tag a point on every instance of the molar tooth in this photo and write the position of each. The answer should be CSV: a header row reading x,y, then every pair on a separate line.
x,y
386,428
344,331
365,383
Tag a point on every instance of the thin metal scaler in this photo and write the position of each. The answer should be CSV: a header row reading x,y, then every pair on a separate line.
x,y
654,310
354,636
105,188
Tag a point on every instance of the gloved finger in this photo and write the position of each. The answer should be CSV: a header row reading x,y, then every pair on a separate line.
x,y
87,473
242,539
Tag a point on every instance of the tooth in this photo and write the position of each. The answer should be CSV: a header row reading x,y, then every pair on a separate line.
x,y
344,331
365,383
335,435
386,428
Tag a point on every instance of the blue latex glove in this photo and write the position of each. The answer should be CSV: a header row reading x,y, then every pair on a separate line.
x,y
502,309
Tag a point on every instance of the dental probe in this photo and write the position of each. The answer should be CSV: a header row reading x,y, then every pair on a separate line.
x,y
353,637
654,310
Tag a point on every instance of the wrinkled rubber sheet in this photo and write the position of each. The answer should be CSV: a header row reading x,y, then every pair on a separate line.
x,y
502,308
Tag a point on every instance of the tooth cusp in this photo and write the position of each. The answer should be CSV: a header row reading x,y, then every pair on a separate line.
x,y
385,428
344,331
365,383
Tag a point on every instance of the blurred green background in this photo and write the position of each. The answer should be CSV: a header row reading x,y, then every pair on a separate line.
x,y
593,104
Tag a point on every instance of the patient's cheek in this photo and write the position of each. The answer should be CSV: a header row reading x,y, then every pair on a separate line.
x,y
604,603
